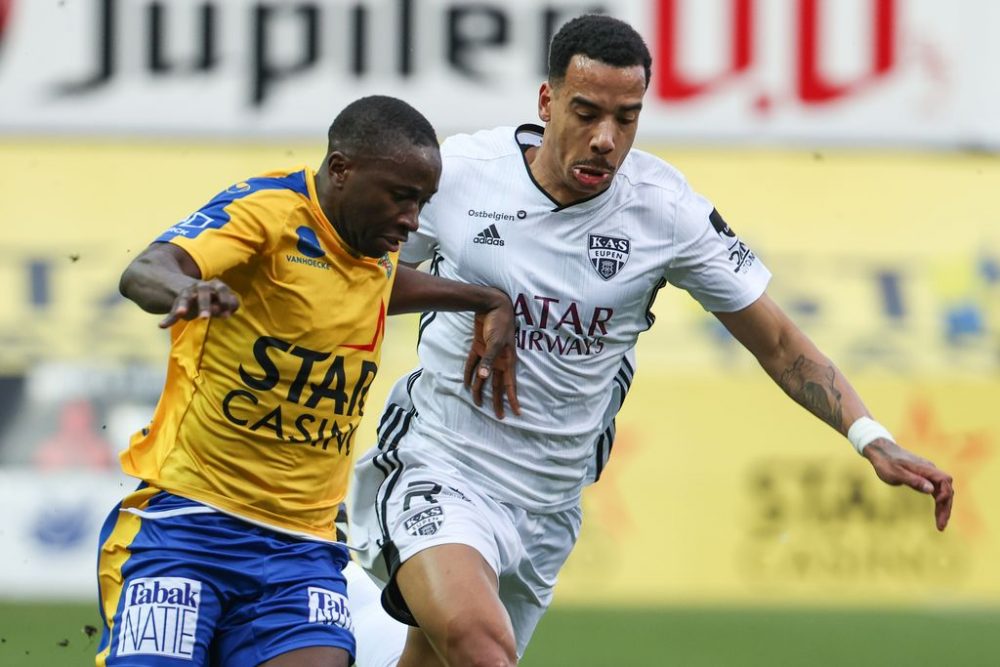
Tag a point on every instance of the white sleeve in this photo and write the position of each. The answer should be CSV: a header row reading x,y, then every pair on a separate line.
x,y
709,261
421,244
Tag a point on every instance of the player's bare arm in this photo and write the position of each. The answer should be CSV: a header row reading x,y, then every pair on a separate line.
x,y
813,381
493,344
165,279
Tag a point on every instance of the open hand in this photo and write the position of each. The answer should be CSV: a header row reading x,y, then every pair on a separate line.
x,y
895,465
202,298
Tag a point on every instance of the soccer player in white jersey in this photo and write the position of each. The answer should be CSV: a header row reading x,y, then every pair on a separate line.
x,y
469,518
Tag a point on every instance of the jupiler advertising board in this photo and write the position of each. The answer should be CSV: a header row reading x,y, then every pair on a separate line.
x,y
878,72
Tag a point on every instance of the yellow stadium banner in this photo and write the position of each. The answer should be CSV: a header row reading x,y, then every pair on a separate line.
x,y
721,489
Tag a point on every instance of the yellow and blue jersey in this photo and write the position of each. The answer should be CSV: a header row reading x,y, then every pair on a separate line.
x,y
259,411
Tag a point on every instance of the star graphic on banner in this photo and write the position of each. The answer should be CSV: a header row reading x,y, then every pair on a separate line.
x,y
962,453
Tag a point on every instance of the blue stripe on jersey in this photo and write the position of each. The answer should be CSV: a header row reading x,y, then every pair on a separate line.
x,y
214,215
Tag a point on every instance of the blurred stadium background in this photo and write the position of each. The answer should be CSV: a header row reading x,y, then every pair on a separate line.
x,y
852,143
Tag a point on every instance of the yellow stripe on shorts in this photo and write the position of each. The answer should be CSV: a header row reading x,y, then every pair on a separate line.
x,y
113,556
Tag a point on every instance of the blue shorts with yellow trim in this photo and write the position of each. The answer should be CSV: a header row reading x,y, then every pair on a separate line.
x,y
182,584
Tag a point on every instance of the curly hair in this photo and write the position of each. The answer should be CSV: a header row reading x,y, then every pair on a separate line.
x,y
598,37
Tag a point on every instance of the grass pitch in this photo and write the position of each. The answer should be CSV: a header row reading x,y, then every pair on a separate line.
x,y
759,638
55,635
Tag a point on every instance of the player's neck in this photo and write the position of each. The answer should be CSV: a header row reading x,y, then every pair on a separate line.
x,y
321,182
324,198
546,174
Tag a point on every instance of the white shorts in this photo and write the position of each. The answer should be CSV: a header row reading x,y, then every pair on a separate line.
x,y
404,501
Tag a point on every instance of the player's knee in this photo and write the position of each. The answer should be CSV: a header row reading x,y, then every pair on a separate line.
x,y
474,641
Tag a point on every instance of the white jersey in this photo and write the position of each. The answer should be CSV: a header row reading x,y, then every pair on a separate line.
x,y
583,279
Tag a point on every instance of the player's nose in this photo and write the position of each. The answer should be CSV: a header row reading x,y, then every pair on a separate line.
x,y
603,140
409,218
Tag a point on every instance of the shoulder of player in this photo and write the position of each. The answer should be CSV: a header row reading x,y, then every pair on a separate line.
x,y
268,200
660,194
645,170
481,145
292,184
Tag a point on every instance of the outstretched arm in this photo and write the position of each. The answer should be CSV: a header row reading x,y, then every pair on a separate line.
x,y
165,279
416,291
812,380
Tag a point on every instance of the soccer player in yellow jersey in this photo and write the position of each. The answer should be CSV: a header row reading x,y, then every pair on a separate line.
x,y
276,294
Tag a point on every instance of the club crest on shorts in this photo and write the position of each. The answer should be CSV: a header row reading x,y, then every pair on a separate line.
x,y
608,254
425,522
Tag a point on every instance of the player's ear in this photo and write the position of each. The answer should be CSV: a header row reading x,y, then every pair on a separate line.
x,y
545,102
339,166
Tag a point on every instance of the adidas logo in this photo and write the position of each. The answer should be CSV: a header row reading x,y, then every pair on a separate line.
x,y
489,236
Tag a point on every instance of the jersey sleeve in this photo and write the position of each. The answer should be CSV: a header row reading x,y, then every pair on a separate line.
x,y
226,232
709,261
420,245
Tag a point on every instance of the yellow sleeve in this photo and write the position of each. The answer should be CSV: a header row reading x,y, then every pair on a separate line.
x,y
230,230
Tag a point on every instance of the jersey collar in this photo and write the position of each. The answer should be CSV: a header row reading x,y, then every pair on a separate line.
x,y
528,136
317,211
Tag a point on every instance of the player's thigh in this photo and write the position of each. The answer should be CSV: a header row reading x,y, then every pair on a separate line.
x,y
417,653
527,588
444,544
298,602
423,508
313,656
451,591
159,605
446,582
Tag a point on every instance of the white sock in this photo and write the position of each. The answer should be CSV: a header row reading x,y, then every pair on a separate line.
x,y
380,637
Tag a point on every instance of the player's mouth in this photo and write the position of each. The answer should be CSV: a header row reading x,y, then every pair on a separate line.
x,y
590,176
392,243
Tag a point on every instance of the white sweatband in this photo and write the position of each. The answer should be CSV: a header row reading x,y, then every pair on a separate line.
x,y
864,430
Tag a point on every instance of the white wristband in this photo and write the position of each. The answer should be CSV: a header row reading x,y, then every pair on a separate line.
x,y
864,430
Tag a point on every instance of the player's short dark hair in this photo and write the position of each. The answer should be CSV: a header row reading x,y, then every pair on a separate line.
x,y
379,125
598,37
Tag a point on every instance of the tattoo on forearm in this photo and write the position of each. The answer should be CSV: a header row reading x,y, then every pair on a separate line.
x,y
813,386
